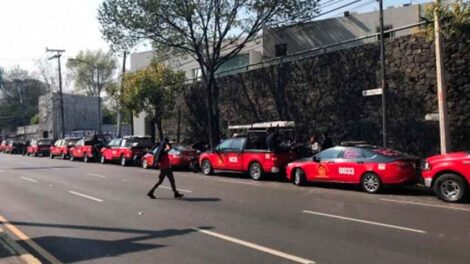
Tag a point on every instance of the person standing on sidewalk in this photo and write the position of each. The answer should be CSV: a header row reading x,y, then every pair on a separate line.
x,y
161,156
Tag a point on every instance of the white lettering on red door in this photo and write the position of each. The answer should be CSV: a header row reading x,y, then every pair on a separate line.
x,y
346,171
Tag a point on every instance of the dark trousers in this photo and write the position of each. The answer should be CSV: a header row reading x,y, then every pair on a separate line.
x,y
165,173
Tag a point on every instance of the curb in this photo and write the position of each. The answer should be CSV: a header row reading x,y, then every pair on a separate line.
x,y
20,255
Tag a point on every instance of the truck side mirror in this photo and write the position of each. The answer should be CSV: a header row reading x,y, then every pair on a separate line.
x,y
316,158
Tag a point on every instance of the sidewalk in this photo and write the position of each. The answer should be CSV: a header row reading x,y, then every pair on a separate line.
x,y
12,253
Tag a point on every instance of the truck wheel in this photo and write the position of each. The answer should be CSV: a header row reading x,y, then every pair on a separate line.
x,y
123,161
71,158
207,167
85,158
102,159
299,177
145,164
35,154
451,188
51,156
371,183
256,171
63,156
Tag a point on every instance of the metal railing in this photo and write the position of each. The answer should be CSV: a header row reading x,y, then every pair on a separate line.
x,y
306,53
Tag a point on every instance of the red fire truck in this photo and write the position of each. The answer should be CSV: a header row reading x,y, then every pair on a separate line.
x,y
248,151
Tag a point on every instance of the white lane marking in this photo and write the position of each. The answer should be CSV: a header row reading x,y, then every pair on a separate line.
x,y
96,175
367,222
2,171
86,196
257,247
28,179
426,204
181,190
239,182
25,163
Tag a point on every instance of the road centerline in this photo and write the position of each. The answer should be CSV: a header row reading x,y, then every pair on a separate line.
x,y
96,175
256,247
425,204
366,222
28,179
86,196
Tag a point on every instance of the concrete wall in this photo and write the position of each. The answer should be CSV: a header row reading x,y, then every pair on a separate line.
x,y
80,113
318,33
324,93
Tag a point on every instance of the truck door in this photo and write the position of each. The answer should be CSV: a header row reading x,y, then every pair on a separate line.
x,y
219,157
235,155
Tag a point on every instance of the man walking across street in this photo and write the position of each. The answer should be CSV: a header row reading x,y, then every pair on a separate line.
x,y
161,156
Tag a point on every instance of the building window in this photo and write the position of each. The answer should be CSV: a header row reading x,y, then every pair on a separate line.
x,y
280,50
197,74
386,34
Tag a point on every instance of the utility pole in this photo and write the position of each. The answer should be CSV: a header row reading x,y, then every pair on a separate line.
x,y
441,85
57,56
119,112
382,75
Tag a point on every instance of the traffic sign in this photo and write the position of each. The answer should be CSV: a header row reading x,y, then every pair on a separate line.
x,y
371,92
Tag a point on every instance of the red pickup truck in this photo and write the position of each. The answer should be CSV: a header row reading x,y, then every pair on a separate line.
x,y
39,146
448,175
86,149
62,147
127,149
238,154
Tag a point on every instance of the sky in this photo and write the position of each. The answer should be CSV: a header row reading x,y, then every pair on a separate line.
x,y
29,26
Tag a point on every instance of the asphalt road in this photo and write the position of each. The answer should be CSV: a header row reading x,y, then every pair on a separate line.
x,y
71,212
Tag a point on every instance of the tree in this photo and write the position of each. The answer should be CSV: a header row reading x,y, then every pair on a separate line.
x,y
19,94
92,72
152,90
455,18
211,31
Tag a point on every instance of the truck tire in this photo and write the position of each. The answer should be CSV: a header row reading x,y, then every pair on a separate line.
x,y
102,159
451,188
63,156
256,171
51,156
299,178
123,161
85,158
206,167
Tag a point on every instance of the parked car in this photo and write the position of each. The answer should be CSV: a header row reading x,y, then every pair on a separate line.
x,y
237,154
87,149
368,166
39,147
3,145
14,147
180,157
448,175
126,150
62,147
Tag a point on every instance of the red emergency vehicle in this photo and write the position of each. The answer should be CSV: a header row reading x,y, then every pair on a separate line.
x,y
86,149
127,149
39,146
180,157
3,145
62,147
448,175
369,166
248,151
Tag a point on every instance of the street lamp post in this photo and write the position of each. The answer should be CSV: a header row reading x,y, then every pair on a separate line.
x,y
382,75
57,56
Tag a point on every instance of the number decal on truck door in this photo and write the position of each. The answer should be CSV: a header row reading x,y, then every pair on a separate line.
x,y
233,159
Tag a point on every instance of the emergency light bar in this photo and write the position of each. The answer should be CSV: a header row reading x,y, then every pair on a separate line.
x,y
274,124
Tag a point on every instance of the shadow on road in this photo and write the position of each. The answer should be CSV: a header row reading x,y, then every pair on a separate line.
x,y
75,249
193,199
